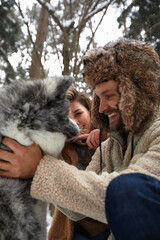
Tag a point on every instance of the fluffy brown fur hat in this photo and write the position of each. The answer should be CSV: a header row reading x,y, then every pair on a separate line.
x,y
136,67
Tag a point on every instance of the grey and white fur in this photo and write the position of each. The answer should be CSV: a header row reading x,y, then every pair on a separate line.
x,y
31,111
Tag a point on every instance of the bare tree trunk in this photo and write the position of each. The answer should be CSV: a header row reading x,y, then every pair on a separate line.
x,y
71,26
36,68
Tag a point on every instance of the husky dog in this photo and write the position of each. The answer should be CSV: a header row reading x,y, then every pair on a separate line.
x,y
31,111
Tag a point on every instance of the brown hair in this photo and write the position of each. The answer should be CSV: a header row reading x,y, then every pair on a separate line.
x,y
72,94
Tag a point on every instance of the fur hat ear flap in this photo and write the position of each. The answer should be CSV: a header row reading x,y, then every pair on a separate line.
x,y
127,102
136,106
98,119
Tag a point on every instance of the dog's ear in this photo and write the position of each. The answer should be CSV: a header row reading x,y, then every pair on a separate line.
x,y
62,86
56,93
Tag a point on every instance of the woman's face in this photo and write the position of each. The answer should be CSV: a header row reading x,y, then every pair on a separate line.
x,y
81,116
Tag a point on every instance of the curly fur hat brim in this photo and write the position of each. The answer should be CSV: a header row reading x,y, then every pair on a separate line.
x,y
136,67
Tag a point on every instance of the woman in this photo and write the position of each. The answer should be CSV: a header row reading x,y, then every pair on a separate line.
x,y
79,153
80,113
88,141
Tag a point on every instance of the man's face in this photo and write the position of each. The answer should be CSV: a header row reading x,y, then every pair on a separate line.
x,y
109,98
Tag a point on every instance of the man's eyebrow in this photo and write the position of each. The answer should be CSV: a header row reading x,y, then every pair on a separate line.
x,y
105,91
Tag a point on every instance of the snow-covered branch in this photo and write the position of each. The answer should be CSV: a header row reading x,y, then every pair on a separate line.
x,y
102,6
52,12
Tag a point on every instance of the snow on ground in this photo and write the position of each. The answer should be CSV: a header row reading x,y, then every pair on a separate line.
x,y
49,220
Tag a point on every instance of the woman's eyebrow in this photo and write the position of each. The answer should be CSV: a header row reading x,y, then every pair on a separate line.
x,y
76,110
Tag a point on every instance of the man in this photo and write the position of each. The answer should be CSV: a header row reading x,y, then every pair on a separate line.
x,y
125,76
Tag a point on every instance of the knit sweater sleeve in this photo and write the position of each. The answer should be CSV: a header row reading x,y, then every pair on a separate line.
x,y
84,191
64,185
93,166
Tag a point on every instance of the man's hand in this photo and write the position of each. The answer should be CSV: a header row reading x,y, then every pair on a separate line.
x,y
92,139
22,162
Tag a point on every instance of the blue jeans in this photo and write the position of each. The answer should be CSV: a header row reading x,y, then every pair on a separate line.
x,y
133,207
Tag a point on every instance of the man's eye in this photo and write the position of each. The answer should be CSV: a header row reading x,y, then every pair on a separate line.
x,y
108,97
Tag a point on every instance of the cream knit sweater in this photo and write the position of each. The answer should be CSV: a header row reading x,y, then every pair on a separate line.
x,y
75,191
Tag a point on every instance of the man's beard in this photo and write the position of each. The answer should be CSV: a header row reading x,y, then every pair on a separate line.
x,y
117,126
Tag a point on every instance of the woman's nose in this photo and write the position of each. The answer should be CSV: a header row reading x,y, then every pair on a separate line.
x,y
74,119
77,122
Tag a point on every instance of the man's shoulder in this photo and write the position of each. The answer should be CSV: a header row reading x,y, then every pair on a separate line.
x,y
154,128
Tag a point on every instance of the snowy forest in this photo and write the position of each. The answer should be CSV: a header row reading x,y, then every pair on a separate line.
x,y
59,32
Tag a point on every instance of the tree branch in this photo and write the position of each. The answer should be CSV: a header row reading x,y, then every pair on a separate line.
x,y
52,12
91,14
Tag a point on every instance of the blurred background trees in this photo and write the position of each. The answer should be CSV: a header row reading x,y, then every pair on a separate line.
x,y
9,39
144,18
50,37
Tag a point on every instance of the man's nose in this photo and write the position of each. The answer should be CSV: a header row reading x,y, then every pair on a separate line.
x,y
103,107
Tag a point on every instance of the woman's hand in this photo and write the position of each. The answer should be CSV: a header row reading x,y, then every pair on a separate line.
x,y
22,162
92,139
